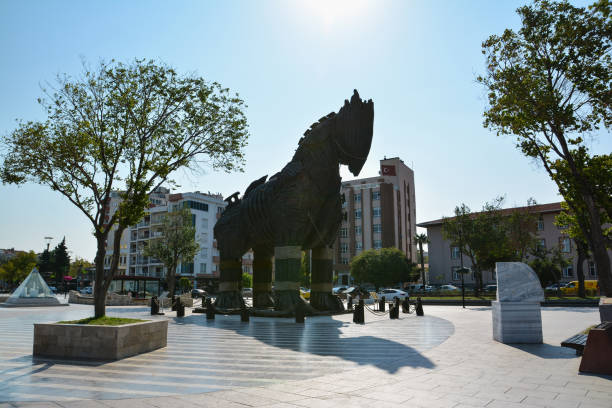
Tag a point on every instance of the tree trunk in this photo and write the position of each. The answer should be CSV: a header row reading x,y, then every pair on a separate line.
x,y
598,247
422,264
171,279
99,290
580,271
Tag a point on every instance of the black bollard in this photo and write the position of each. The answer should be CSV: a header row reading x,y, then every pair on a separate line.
x,y
244,314
154,306
419,307
349,303
395,309
210,310
299,314
358,316
381,304
406,305
180,308
173,303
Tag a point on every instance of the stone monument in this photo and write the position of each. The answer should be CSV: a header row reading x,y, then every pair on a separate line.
x,y
516,312
297,209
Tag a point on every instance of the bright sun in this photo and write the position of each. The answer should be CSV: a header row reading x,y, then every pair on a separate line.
x,y
333,12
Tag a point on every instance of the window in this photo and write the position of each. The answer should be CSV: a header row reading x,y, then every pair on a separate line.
x,y
343,232
204,252
202,268
358,198
377,244
455,253
343,248
565,244
540,225
377,228
541,244
358,246
376,212
456,275
358,214
195,205
375,195
568,272
357,229
344,261
592,270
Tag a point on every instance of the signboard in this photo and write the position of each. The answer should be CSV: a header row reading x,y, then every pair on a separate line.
x,y
387,170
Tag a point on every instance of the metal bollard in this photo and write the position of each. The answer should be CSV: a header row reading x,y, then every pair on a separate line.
x,y
349,302
154,306
299,314
358,315
180,308
394,309
381,304
419,307
173,303
210,310
244,314
406,305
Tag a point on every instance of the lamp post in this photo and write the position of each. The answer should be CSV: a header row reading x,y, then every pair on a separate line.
x,y
462,270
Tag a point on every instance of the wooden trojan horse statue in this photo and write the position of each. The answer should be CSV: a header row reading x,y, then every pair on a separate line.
x,y
297,209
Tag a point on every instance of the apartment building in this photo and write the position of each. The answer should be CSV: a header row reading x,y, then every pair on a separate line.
x,y
378,212
444,259
203,270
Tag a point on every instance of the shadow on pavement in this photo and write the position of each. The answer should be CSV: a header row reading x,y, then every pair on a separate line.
x,y
325,337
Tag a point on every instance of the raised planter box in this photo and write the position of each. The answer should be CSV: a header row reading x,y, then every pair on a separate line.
x,y
91,342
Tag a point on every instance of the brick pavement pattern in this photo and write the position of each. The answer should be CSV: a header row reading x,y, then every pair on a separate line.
x,y
468,369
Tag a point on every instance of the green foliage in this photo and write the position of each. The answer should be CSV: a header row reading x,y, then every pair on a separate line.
x,y
491,236
185,284
177,243
247,280
548,265
421,239
382,267
45,265
548,84
305,270
78,265
17,269
123,129
61,260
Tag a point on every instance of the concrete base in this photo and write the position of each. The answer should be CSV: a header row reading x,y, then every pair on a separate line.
x,y
517,322
91,342
605,309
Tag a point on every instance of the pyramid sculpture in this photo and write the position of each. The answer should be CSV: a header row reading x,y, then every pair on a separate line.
x,y
33,291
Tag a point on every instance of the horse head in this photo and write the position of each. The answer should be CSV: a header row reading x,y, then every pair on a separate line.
x,y
353,129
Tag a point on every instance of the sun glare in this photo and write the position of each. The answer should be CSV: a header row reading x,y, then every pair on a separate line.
x,y
336,12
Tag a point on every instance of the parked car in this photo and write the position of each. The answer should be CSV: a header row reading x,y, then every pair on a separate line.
x,y
554,286
247,292
198,293
572,287
53,289
305,293
448,288
391,294
87,290
339,289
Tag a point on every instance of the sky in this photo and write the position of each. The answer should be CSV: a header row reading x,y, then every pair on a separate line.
x,y
291,62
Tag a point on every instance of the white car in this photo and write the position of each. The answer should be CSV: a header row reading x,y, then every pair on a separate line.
x,y
391,294
448,288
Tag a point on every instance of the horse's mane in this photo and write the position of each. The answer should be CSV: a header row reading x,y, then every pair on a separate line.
x,y
316,124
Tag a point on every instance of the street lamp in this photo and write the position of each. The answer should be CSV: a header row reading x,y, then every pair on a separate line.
x,y
462,270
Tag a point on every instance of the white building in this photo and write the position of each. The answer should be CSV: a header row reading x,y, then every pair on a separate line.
x,y
203,270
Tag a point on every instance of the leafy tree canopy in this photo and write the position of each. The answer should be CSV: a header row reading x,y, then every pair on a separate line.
x,y
17,268
382,267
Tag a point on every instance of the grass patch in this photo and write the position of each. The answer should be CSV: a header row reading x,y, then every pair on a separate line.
x,y
103,321
586,331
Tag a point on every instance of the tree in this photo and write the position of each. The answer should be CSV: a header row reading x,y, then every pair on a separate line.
x,y
549,84
177,244
421,239
17,268
548,264
61,261
382,267
491,235
185,284
123,129
45,265
247,280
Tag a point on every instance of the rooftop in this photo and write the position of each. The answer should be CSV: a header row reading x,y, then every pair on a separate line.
x,y
538,209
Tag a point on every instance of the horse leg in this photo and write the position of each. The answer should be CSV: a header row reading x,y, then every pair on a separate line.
x,y
230,281
287,263
262,278
321,296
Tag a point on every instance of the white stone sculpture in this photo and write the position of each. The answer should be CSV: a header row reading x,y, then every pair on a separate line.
x,y
516,312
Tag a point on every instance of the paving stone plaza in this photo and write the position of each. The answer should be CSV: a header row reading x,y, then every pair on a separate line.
x,y
445,359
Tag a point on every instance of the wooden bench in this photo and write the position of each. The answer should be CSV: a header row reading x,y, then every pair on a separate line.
x,y
576,342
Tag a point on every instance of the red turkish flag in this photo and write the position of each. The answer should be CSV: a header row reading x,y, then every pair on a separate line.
x,y
387,170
